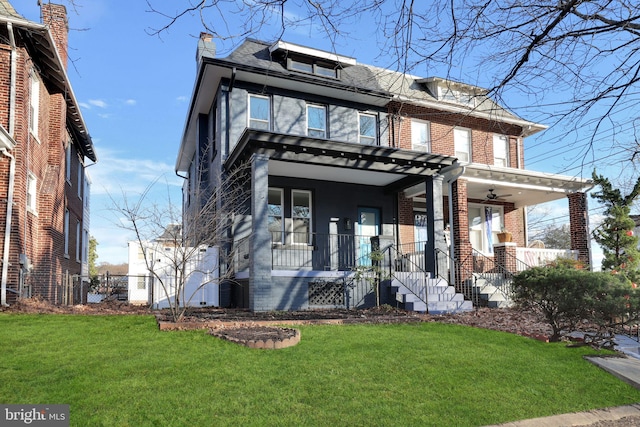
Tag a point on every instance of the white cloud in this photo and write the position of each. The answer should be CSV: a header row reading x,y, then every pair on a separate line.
x,y
98,103
130,102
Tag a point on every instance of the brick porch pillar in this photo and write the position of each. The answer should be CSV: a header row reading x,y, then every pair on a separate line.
x,y
260,239
579,226
463,252
505,256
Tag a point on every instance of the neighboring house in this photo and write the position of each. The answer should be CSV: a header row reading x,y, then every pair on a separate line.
x,y
346,157
44,144
153,264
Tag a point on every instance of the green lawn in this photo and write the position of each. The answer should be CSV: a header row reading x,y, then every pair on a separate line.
x,y
122,371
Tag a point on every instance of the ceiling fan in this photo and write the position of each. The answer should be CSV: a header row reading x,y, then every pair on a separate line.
x,y
495,197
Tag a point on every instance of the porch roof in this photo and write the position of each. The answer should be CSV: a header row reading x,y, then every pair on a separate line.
x,y
518,186
305,157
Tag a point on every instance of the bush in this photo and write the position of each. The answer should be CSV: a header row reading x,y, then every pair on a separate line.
x,y
566,296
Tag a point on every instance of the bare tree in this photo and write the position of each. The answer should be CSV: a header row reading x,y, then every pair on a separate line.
x,y
566,56
211,208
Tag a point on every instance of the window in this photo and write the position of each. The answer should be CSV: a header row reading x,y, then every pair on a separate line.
x,y
462,142
485,222
67,166
78,240
367,126
85,246
141,283
32,195
259,112
317,121
305,67
301,216
79,180
420,136
275,221
34,104
66,232
501,150
310,66
420,230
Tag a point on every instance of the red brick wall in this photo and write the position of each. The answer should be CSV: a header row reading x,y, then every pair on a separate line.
x,y
442,125
39,234
579,226
405,219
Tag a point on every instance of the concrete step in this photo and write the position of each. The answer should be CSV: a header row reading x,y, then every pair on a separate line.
x,y
440,307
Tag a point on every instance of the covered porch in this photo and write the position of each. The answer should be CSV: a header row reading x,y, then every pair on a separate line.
x,y
316,204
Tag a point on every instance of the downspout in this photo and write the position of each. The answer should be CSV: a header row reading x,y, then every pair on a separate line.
x,y
12,80
7,231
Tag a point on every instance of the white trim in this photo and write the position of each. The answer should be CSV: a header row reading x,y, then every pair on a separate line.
x,y
308,51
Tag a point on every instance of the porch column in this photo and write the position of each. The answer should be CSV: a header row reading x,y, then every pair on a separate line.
x,y
260,239
436,261
462,246
579,226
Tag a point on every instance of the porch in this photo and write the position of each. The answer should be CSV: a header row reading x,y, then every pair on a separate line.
x,y
336,270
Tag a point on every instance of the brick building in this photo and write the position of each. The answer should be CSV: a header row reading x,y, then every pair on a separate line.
x,y
44,144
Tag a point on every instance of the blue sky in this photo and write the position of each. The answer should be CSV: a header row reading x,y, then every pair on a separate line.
x,y
134,89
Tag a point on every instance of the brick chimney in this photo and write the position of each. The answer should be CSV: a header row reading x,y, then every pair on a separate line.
x,y
206,47
54,16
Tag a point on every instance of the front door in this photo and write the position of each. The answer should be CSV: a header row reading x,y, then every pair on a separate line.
x,y
368,225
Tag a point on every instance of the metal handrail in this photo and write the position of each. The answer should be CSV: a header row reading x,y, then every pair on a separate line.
x,y
497,275
464,277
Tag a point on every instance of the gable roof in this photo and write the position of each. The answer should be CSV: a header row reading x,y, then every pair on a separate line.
x,y
38,40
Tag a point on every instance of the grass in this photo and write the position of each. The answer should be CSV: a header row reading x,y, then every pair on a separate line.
x,y
122,371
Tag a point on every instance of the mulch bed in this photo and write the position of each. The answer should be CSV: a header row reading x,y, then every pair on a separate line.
x,y
512,320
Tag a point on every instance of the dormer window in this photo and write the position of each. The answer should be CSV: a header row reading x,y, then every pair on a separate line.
x,y
450,91
310,66
311,61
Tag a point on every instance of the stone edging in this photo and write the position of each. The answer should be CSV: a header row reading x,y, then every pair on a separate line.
x,y
269,344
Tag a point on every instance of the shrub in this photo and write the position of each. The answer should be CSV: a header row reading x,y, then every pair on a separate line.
x,y
566,296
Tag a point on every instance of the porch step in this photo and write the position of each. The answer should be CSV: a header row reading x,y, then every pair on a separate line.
x,y
490,287
440,297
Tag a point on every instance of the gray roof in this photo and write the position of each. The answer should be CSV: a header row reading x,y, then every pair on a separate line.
x,y
395,85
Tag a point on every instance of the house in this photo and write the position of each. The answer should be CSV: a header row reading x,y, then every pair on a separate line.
x,y
349,160
155,268
44,149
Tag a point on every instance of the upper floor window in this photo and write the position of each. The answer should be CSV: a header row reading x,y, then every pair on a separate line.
x,y
32,197
501,150
420,136
367,129
301,216
312,67
317,121
259,112
462,142
67,165
34,104
79,183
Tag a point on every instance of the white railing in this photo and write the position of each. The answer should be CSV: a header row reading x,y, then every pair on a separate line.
x,y
536,257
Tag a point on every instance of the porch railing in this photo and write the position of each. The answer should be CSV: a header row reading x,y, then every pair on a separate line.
x,y
537,257
316,251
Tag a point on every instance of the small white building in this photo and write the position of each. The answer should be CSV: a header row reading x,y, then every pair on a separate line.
x,y
201,287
